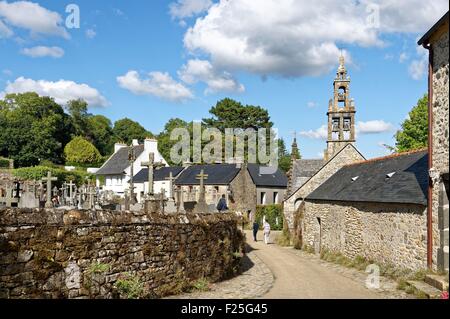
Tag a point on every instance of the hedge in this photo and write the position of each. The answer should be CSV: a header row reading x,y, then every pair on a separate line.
x,y
37,172
4,162
272,212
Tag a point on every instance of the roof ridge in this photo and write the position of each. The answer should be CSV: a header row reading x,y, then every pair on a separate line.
x,y
381,158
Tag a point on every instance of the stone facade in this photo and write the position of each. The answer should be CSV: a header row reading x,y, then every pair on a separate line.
x,y
82,254
393,234
347,155
440,146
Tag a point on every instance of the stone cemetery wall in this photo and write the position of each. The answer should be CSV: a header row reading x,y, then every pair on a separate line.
x,y
102,254
392,234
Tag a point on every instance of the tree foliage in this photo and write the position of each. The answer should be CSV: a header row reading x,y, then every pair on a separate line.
x,y
81,151
125,130
33,128
101,134
38,172
414,131
164,142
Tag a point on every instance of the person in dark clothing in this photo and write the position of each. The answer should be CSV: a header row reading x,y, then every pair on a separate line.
x,y
222,205
255,230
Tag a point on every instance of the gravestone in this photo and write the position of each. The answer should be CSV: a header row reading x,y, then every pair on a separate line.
x,y
28,200
49,179
201,206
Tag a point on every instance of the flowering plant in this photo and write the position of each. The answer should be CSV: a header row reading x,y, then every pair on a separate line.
x,y
444,295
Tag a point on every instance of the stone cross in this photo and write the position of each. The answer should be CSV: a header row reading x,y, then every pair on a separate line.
x,y
151,167
171,179
180,193
9,200
55,191
202,177
132,159
91,193
70,185
49,179
32,187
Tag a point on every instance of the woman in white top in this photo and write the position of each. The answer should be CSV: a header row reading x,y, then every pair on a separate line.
x,y
266,232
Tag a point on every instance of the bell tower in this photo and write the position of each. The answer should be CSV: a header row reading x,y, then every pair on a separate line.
x,y
341,113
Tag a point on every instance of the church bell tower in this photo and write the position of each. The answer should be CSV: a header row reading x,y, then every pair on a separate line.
x,y
341,113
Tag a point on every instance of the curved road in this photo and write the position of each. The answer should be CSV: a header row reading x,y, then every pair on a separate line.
x,y
299,277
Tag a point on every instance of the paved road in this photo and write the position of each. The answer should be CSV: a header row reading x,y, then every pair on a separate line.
x,y
300,277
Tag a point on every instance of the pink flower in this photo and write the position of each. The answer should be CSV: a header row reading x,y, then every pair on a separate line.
x,y
444,295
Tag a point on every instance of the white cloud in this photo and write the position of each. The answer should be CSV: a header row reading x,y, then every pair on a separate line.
x,y
7,72
42,51
388,56
373,127
159,84
31,16
118,12
188,8
202,70
419,67
62,91
294,38
320,134
369,127
90,33
5,32
403,57
311,104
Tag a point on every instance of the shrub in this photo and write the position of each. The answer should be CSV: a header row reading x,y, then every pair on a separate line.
x,y
129,287
80,151
37,172
4,162
272,213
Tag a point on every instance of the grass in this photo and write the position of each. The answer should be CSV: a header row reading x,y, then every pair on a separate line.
x,y
283,239
201,284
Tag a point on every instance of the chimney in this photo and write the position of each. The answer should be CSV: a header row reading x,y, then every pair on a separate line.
x,y
135,142
118,146
151,145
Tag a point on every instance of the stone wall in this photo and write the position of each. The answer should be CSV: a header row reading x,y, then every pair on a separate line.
x,y
98,254
440,142
346,156
393,234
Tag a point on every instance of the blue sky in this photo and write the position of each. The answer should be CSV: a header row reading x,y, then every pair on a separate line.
x,y
200,51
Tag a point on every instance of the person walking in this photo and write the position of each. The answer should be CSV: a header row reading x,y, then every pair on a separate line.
x,y
266,232
222,204
255,230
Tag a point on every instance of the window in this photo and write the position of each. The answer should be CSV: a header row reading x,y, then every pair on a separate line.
x,y
263,198
275,197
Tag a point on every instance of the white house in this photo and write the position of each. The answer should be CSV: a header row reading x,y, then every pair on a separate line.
x,y
117,169
160,180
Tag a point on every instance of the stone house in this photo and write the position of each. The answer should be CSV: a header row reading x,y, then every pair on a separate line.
x,y
160,180
375,209
270,188
232,180
348,154
117,169
436,41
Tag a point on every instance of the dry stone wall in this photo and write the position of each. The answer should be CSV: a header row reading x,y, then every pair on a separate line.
x,y
102,254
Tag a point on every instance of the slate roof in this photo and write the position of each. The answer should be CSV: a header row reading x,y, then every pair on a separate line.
x,y
158,174
278,179
118,162
218,174
426,37
303,170
408,185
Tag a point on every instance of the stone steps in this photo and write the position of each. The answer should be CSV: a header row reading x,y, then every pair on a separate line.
x,y
429,291
438,282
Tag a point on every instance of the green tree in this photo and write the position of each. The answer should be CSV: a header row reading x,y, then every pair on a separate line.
x,y
414,131
33,128
125,130
229,113
81,151
80,116
164,142
101,134
284,159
